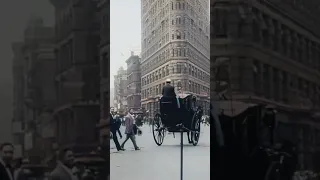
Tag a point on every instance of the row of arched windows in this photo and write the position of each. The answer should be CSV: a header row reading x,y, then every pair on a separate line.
x,y
186,85
178,5
177,68
277,84
170,52
285,40
272,34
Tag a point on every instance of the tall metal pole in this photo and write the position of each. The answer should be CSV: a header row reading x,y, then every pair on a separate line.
x,y
181,139
181,155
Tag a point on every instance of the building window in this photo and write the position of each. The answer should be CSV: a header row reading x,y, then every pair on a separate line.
x,y
219,23
276,84
105,65
284,39
284,86
256,31
178,35
266,37
266,81
179,68
256,75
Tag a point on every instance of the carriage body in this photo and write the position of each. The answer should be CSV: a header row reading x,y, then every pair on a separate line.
x,y
174,119
171,115
244,136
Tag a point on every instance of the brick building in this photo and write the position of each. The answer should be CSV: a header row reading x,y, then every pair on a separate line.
x,y
268,52
120,90
133,82
77,76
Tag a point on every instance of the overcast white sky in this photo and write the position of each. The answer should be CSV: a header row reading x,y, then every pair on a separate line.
x,y
125,32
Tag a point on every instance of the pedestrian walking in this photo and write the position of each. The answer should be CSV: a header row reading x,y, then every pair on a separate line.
x,y
115,127
131,130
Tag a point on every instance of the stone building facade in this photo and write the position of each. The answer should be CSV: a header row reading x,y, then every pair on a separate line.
x,y
104,133
77,31
268,52
133,82
37,83
175,45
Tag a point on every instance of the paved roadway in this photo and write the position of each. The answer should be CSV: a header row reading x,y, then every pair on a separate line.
x,y
154,162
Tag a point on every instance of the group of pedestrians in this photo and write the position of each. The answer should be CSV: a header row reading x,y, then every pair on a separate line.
x,y
131,129
64,169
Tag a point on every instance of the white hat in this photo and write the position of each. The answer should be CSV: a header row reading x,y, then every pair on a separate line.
x,y
168,81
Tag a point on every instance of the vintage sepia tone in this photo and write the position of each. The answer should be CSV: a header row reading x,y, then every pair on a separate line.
x,y
61,92
267,52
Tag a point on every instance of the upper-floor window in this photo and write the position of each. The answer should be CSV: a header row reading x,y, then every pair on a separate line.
x,y
178,35
220,17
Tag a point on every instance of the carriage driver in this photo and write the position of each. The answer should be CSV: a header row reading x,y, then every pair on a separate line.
x,y
168,91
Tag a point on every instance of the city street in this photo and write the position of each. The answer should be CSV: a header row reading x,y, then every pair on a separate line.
x,y
161,162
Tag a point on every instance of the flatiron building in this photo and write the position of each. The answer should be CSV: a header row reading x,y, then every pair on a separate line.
x,y
175,44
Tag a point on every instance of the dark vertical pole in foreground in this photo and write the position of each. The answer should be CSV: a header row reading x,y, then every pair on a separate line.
x,y
181,158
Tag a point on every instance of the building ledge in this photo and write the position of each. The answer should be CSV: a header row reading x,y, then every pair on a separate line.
x,y
278,105
76,104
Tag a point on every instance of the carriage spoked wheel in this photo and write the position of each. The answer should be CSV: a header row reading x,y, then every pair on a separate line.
x,y
158,130
189,137
196,124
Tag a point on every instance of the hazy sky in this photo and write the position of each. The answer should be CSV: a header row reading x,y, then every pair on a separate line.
x,y
125,32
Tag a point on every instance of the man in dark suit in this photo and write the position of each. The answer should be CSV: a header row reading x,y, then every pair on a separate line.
x,y
115,125
168,91
63,171
6,169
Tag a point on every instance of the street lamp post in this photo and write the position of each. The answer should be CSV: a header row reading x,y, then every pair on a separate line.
x,y
181,139
181,154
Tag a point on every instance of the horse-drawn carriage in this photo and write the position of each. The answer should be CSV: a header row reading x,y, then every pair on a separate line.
x,y
173,119
243,141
